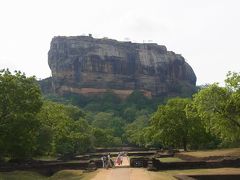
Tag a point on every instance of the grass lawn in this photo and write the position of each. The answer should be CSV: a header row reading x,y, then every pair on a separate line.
x,y
171,159
46,158
77,161
20,175
72,175
235,152
203,171
61,175
168,174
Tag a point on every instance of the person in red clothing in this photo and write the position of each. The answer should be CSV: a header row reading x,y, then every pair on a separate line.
x,y
119,159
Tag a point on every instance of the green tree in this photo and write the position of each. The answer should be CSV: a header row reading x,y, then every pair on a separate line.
x,y
72,138
138,99
219,108
200,137
101,137
133,131
51,116
129,113
20,101
233,81
108,121
105,138
63,130
170,124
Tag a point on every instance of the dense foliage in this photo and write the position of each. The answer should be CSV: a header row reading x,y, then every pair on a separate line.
x,y
210,119
219,109
32,125
20,101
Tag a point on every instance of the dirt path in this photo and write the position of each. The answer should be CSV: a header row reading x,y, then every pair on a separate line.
x,y
121,173
130,174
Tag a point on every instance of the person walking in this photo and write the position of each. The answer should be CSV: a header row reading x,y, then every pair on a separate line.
x,y
103,158
118,159
121,159
109,161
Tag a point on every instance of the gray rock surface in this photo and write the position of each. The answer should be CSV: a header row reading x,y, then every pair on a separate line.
x,y
85,65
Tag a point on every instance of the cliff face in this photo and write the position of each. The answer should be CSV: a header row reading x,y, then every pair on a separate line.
x,y
86,65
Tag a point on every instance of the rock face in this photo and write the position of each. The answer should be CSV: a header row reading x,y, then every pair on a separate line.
x,y
85,65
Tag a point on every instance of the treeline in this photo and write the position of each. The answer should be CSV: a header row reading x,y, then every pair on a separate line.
x,y
33,125
210,119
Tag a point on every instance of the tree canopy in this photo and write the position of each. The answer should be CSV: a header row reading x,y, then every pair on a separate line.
x,y
219,108
173,126
32,124
20,101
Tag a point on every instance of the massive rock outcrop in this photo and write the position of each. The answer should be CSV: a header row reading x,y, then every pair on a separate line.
x,y
85,65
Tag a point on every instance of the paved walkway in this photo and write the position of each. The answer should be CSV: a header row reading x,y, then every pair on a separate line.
x,y
122,174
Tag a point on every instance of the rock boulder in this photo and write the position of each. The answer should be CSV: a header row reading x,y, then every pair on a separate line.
x,y
85,65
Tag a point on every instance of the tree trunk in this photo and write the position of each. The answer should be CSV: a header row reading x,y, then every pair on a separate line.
x,y
184,144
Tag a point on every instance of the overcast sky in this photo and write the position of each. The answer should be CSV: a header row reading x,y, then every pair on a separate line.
x,y
205,32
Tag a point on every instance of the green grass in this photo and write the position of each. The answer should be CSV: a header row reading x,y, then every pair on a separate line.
x,y
139,156
187,171
61,175
46,158
76,161
72,175
170,159
169,174
67,174
235,152
203,171
20,175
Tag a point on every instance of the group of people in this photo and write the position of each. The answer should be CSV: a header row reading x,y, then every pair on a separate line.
x,y
109,163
